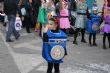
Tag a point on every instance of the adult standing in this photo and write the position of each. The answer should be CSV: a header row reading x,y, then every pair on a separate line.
x,y
10,9
80,20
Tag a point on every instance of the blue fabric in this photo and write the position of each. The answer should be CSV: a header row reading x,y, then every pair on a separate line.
x,y
90,3
94,19
48,46
11,27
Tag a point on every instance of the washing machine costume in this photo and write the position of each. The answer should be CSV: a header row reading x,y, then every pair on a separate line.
x,y
54,47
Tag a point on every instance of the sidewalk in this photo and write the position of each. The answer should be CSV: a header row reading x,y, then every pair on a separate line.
x,y
25,56
7,64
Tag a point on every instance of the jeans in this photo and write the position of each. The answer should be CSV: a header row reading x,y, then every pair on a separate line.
x,y
11,27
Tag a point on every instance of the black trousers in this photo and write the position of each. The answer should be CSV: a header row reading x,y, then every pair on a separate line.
x,y
76,33
104,38
94,38
56,67
27,23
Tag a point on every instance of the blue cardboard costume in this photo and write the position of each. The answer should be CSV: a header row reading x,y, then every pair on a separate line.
x,y
55,49
95,20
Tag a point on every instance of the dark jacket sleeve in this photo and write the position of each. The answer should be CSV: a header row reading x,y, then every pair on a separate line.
x,y
45,37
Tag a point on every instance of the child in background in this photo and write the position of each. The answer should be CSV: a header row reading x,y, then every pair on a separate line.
x,y
93,26
64,13
106,27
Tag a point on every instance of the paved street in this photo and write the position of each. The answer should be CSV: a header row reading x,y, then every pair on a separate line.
x,y
24,56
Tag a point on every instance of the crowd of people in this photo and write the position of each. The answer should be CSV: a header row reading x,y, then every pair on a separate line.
x,y
72,16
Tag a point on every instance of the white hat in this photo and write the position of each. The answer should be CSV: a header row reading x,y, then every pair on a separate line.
x,y
95,8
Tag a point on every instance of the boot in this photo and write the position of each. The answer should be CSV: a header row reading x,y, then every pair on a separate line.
x,y
83,41
94,44
104,47
74,42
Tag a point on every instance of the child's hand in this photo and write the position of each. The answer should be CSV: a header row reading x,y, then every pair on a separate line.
x,y
46,29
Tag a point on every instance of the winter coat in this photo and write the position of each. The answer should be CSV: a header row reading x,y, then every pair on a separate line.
x,y
10,7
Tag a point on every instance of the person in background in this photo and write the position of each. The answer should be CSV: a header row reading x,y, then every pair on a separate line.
x,y
36,4
27,18
106,27
80,20
10,9
42,16
64,16
93,25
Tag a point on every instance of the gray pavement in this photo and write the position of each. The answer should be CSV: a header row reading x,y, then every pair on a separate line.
x,y
24,56
7,63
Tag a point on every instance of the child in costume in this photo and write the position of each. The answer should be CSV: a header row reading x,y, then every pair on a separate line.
x,y
93,26
64,13
42,15
52,32
80,20
106,27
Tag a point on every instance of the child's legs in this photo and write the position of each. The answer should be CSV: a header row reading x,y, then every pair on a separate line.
x,y
109,39
50,67
76,34
56,67
90,37
83,34
104,38
94,38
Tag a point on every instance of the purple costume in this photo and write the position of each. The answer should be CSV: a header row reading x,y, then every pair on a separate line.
x,y
106,27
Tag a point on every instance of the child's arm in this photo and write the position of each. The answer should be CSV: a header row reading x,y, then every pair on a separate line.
x,y
45,36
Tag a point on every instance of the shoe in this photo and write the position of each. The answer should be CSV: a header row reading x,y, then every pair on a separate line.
x,y
17,37
104,47
90,45
9,40
56,72
28,32
94,44
83,41
74,42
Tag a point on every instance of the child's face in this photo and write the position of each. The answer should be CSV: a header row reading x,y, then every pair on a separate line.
x,y
51,25
82,1
95,11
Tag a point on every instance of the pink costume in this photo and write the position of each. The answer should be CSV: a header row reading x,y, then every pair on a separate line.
x,y
64,20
